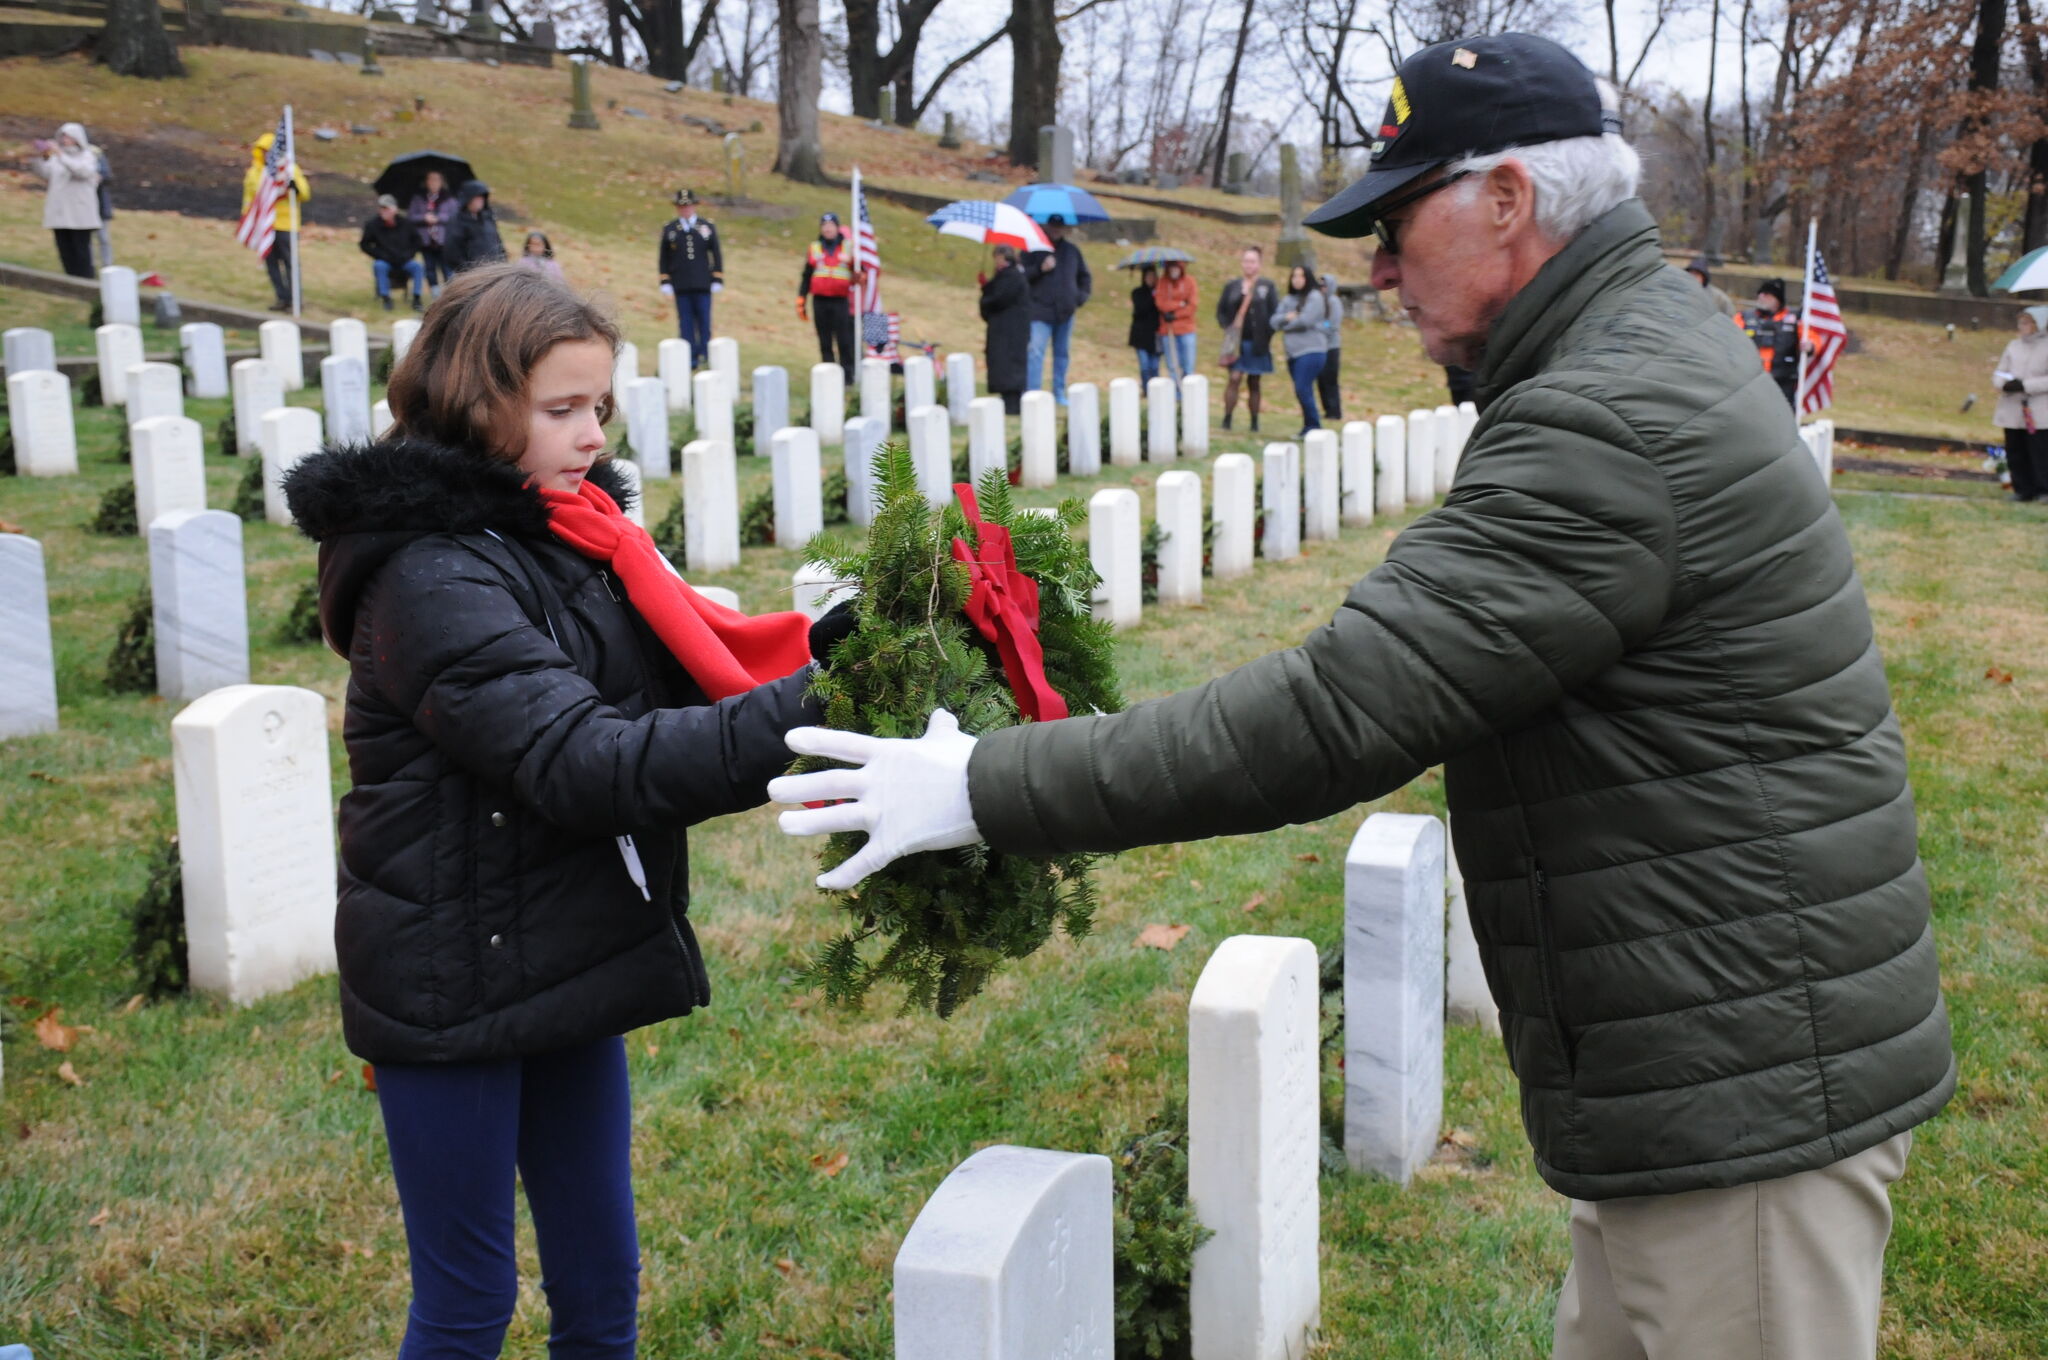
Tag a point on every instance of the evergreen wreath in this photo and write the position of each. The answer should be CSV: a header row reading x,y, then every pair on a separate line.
x,y
942,922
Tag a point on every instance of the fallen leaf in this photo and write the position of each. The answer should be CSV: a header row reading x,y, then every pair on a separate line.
x,y
8,526
1116,1062
54,1033
66,1072
132,1005
27,1003
1156,936
1257,900
334,1076
1195,883
1998,676
1310,858
653,1048
831,1163
1463,1138
44,778
99,1220
256,1034
785,1265
369,1077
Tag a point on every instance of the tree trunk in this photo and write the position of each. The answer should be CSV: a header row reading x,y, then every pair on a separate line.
x,y
863,56
799,79
1708,241
135,42
1902,230
615,23
1748,124
1945,236
2034,219
1034,76
1244,25
1984,54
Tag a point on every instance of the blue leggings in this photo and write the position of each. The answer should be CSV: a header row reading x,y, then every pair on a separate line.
x,y
458,1132
1305,369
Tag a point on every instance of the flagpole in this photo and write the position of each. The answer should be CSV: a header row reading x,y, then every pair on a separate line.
x,y
291,187
1805,293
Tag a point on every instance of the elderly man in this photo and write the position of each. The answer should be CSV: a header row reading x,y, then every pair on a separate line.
x,y
1634,637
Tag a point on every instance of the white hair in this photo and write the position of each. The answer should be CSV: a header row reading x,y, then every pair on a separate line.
x,y
1576,180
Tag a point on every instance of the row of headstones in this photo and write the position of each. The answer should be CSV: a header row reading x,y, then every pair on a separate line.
x,y
1819,439
1011,1256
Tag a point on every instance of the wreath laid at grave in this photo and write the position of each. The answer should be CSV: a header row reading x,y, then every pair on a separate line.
x,y
982,610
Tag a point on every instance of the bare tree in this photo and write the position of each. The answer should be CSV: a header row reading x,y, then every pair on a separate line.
x,y
799,80
1035,49
1228,108
745,58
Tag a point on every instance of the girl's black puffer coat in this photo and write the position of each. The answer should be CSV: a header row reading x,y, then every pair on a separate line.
x,y
510,723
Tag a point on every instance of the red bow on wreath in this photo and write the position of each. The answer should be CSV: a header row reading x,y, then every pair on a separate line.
x,y
1003,607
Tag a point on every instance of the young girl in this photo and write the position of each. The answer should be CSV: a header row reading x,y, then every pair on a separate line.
x,y
537,708
539,256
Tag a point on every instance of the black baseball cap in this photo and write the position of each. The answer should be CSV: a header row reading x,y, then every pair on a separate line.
x,y
1468,98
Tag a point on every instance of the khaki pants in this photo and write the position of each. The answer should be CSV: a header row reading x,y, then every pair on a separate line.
x,y
1788,1269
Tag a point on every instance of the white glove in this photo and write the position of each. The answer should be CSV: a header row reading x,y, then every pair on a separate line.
x,y
717,288
668,290
909,794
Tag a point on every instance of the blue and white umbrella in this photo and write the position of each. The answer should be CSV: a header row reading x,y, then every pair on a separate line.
x,y
996,224
1044,202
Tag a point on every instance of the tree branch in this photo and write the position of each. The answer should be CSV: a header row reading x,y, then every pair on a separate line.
x,y
1080,10
951,67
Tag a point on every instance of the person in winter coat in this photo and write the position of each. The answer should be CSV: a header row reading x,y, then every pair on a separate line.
x,y
1303,319
284,219
1179,312
71,208
1774,329
1702,270
1060,286
1006,308
472,237
2022,377
827,288
1245,312
392,243
692,265
1144,335
537,709
429,212
1634,637
105,191
539,255
1328,387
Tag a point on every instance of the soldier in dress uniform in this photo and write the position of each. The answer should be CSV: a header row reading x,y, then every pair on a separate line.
x,y
692,269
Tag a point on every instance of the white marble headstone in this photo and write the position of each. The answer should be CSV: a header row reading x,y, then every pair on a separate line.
x,y
345,397
713,410
1421,487
625,368
771,406
39,410
256,837
28,672
1390,465
863,438
798,493
278,343
1194,415
959,385
1282,502
30,349
877,397
1084,430
204,347
1038,426
198,602
380,419
920,383
719,595
1124,448
646,407
1116,549
1355,463
1253,1142
285,435
1011,1259
672,366
1468,999
1320,498
120,300
814,589
987,449
169,466
722,354
153,390
828,403
119,348
1393,993
258,390
348,338
1179,500
1450,445
404,331
635,506
1236,516
931,452
1468,417
711,503
1162,421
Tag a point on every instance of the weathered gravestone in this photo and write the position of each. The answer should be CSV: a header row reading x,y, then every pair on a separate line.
x,y
153,390
1390,465
1011,1259
198,603
798,493
672,363
39,412
1056,154
28,673
1124,449
1084,429
345,397
1294,248
1236,516
278,344
1161,423
959,385
1282,502
1194,416
1393,994
348,338
987,450
920,383
204,348
876,396
258,390
1421,485
1115,548
1355,464
120,303
931,452
828,402
285,435
1179,500
169,466
1320,494
771,405
1038,426
646,406
864,435
581,115
30,349
118,348
949,139
1236,171
255,838
1253,1141
722,353
711,502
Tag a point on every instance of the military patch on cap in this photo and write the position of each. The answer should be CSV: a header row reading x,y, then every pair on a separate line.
x,y
1396,117
1465,57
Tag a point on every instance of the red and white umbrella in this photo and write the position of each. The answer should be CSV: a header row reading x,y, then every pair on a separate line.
x,y
995,224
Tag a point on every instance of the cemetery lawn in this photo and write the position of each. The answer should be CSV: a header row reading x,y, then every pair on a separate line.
x,y
188,1179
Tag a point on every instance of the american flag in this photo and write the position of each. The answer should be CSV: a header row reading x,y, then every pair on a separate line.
x,y
1821,325
879,330
258,227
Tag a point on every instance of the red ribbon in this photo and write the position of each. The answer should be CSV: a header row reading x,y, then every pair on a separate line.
x,y
1003,607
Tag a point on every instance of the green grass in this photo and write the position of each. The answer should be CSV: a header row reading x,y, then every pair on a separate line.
x,y
218,1188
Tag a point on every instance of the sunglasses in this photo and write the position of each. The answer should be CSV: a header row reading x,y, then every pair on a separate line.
x,y
1387,230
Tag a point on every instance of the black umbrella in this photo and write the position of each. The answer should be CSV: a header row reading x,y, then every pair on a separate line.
x,y
404,176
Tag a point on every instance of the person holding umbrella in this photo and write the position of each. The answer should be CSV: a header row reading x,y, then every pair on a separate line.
x,y
1006,308
429,212
1177,299
827,285
1060,286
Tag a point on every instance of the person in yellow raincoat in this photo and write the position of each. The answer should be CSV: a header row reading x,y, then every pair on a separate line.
x,y
284,217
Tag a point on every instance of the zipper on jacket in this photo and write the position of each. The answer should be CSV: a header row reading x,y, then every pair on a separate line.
x,y
635,870
1546,949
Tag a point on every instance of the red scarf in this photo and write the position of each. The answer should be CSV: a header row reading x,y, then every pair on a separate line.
x,y
725,652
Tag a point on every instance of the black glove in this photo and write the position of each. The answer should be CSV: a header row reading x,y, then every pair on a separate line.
x,y
829,631
2014,385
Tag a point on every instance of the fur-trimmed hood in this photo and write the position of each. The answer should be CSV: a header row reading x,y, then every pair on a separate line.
x,y
363,502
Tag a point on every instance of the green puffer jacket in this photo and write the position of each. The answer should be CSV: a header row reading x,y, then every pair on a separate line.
x,y
1634,636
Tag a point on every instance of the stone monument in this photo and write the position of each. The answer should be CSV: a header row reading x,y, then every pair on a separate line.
x,y
1294,248
581,115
